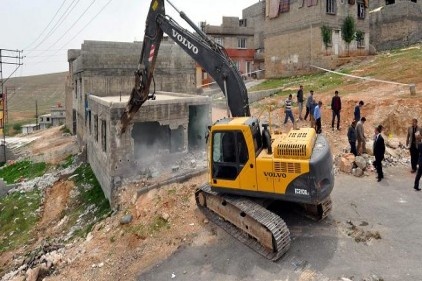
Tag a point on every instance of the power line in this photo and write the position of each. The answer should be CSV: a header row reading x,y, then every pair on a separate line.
x,y
39,36
85,26
77,33
59,22
64,33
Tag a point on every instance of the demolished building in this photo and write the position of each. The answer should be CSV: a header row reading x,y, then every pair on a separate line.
x,y
100,79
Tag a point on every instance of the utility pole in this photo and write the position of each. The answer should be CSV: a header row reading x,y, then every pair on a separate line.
x,y
36,115
12,57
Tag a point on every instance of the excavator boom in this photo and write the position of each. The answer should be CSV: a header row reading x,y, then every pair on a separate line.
x,y
207,53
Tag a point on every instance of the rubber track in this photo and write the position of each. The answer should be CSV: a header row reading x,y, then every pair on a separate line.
x,y
275,224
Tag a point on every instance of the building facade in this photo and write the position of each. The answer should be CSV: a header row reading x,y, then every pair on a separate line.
x,y
237,37
293,40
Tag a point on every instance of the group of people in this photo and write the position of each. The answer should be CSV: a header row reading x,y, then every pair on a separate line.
x,y
313,109
413,143
356,132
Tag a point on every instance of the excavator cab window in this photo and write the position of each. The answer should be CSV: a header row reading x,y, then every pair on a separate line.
x,y
230,154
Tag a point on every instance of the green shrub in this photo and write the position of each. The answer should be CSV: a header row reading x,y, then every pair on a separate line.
x,y
22,170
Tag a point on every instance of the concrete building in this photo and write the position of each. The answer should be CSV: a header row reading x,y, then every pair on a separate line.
x,y
107,69
101,76
254,16
292,34
44,121
237,37
395,23
29,128
57,117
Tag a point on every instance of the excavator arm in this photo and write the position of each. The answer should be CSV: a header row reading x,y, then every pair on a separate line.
x,y
207,53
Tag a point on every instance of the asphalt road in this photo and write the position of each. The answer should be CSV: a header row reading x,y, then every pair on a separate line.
x,y
341,246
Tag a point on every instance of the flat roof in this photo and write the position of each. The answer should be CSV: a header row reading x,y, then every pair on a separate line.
x,y
161,98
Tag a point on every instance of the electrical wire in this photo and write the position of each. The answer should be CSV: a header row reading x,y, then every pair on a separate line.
x,y
59,22
85,26
77,33
75,22
39,36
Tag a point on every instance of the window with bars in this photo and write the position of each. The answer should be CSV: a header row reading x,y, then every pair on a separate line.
x,y
331,7
361,10
241,43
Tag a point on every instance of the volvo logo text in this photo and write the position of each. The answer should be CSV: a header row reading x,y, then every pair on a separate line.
x,y
275,175
185,41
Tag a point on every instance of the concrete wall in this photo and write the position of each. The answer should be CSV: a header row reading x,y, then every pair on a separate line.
x,y
293,39
255,16
396,25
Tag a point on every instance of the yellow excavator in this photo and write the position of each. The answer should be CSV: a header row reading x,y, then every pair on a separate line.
x,y
248,167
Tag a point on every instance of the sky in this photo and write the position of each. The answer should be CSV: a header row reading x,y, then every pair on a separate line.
x,y
46,29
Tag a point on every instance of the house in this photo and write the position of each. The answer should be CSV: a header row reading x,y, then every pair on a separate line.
x,y
58,115
237,37
44,121
29,128
293,39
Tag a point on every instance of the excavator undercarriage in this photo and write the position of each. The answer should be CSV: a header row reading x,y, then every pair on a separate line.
x,y
251,223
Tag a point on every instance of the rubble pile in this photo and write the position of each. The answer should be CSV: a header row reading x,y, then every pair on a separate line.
x,y
395,154
37,264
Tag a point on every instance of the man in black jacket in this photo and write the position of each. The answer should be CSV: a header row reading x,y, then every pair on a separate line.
x,y
336,108
412,143
300,99
379,150
351,136
418,137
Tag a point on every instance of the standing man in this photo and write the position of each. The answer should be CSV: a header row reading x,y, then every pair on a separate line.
x,y
379,150
336,107
351,136
360,133
412,143
288,110
299,97
419,174
357,110
309,103
317,116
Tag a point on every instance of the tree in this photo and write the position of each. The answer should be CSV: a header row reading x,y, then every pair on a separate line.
x,y
348,30
326,36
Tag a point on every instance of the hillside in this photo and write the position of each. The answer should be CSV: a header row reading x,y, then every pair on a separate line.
x,y
47,90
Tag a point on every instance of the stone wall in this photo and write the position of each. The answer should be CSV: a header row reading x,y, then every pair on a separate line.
x,y
396,25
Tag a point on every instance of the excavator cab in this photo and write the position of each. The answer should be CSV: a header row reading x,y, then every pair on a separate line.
x,y
235,143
